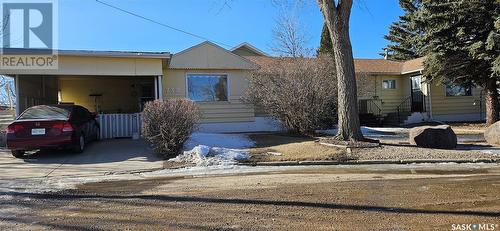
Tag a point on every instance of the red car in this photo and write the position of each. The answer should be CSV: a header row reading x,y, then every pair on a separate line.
x,y
52,127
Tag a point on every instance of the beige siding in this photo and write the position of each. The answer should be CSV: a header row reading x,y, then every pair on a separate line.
x,y
84,65
454,105
174,82
392,98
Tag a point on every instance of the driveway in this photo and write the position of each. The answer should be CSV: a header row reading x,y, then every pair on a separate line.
x,y
99,158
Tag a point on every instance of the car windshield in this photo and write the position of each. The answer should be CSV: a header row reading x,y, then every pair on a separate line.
x,y
45,112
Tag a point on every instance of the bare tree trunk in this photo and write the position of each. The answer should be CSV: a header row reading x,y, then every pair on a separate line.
x,y
9,96
337,21
491,96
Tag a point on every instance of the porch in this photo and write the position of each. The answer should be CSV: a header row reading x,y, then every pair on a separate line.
x,y
394,100
114,85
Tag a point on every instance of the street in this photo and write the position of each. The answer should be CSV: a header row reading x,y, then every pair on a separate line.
x,y
381,197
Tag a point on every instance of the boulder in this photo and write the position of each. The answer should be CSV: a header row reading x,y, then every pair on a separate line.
x,y
441,137
492,134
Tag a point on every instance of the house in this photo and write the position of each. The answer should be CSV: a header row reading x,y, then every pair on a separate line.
x,y
396,93
117,84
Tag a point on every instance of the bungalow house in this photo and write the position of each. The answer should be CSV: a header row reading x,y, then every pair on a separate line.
x,y
396,93
117,84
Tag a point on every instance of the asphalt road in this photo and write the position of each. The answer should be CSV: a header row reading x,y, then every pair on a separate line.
x,y
376,197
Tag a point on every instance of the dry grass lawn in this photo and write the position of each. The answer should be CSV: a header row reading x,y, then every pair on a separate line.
x,y
468,128
284,147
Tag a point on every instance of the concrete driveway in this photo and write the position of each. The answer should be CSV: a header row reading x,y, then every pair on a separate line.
x,y
99,158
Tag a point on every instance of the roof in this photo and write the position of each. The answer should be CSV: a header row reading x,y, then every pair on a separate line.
x,y
248,47
90,53
377,66
370,66
413,65
208,55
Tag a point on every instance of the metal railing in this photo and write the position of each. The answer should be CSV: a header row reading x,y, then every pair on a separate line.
x,y
408,105
369,106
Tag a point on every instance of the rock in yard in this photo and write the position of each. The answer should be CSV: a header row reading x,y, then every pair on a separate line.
x,y
441,137
492,134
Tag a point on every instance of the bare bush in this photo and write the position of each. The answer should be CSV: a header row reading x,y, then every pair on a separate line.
x,y
300,92
168,124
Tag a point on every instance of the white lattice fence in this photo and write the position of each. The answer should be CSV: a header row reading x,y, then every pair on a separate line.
x,y
120,125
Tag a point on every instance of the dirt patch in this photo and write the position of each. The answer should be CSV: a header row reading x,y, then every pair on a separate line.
x,y
283,147
331,141
130,186
175,165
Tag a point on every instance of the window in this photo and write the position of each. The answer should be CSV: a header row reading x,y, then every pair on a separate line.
x,y
207,87
389,84
457,90
45,112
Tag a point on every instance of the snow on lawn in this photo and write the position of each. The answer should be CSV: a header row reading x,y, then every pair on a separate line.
x,y
371,131
208,149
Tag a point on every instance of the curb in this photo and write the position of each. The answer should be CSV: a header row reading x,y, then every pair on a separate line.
x,y
362,162
132,171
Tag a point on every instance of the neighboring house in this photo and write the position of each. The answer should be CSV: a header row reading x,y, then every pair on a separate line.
x,y
398,93
116,84
395,93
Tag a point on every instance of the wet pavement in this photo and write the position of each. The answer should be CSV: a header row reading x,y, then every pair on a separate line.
x,y
374,197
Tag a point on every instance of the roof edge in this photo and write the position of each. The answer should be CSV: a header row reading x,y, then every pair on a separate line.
x,y
92,53
251,47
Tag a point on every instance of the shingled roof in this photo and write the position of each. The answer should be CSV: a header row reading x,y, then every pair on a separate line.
x,y
369,66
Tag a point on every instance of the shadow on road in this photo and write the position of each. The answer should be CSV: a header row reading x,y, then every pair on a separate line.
x,y
236,201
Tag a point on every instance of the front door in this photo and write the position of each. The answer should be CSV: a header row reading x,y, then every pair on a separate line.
x,y
417,97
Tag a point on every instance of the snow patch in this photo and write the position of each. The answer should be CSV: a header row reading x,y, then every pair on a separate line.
x,y
371,131
209,149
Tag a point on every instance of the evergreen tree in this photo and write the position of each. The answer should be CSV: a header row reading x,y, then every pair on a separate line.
x,y
325,45
494,43
462,45
405,34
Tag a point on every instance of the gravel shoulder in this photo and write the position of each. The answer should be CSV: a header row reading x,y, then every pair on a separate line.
x,y
405,152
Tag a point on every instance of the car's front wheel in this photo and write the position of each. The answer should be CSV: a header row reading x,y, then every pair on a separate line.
x,y
80,145
17,153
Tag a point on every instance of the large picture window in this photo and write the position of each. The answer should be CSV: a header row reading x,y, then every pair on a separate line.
x,y
457,90
207,87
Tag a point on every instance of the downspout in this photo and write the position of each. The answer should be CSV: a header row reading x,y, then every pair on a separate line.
x,y
429,90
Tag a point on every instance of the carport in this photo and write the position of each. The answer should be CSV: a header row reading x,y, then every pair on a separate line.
x,y
115,85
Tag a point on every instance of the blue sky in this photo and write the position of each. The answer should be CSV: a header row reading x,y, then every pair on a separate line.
x,y
86,24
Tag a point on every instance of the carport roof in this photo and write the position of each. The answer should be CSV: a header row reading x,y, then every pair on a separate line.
x,y
95,53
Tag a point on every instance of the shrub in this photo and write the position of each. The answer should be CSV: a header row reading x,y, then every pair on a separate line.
x,y
168,124
300,92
